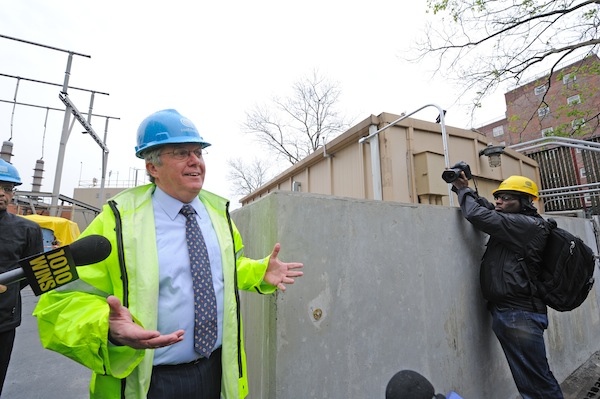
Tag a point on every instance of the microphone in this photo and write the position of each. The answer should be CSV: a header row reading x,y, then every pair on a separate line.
x,y
408,384
49,270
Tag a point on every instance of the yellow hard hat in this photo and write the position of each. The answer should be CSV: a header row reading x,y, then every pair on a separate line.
x,y
520,184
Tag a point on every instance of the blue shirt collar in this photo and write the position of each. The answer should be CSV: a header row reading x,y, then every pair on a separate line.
x,y
172,206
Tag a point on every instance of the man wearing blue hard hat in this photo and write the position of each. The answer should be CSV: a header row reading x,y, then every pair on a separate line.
x,y
172,327
20,238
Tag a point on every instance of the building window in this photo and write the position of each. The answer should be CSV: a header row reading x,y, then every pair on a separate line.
x,y
498,131
540,90
582,173
573,100
578,123
570,77
543,111
547,132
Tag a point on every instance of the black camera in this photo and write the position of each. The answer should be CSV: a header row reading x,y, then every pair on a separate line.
x,y
453,173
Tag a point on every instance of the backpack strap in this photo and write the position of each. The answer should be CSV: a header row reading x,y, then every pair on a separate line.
x,y
551,224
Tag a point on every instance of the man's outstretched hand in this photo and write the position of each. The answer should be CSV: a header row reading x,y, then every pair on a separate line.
x,y
123,330
279,273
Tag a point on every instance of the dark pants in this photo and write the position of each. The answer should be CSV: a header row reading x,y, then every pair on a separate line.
x,y
198,380
7,340
521,335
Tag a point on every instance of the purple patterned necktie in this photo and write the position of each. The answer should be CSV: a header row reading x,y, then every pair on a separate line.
x,y
205,302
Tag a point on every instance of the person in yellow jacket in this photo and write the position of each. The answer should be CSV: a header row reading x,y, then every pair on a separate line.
x,y
131,317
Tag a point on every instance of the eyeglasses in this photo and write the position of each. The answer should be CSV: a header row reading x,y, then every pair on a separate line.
x,y
505,197
7,188
183,153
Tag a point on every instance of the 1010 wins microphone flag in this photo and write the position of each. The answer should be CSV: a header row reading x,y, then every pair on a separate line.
x,y
49,270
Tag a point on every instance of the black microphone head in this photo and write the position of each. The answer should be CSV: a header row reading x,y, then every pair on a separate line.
x,y
90,249
408,384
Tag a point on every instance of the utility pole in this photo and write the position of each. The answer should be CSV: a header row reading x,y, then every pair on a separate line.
x,y
66,131
70,109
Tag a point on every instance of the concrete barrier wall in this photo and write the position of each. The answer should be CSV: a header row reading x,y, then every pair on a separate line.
x,y
387,286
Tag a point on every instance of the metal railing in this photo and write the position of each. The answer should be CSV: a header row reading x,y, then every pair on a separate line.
x,y
442,123
566,197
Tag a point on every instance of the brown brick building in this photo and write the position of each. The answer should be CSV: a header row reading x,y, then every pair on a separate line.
x,y
564,103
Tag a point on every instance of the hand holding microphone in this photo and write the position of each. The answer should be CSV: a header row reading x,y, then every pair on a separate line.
x,y
49,270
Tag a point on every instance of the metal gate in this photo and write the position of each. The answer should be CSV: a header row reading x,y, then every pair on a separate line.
x,y
570,179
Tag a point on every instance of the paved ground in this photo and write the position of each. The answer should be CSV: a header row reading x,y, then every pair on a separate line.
x,y
35,372
585,381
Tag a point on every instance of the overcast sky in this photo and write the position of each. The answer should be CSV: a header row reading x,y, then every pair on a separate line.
x,y
211,61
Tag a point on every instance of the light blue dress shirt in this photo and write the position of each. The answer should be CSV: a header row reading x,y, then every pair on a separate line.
x,y
176,295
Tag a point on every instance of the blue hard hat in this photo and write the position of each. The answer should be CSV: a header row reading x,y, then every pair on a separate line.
x,y
9,173
166,127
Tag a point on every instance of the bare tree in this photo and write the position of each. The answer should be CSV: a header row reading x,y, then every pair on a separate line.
x,y
484,43
290,128
246,177
295,127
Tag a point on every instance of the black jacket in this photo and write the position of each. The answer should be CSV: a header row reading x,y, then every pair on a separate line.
x,y
19,238
513,255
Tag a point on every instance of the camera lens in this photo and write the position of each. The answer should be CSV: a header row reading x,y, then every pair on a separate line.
x,y
450,175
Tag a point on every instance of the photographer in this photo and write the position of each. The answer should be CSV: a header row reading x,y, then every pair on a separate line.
x,y
517,237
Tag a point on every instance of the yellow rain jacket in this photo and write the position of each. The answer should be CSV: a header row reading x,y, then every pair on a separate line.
x,y
75,322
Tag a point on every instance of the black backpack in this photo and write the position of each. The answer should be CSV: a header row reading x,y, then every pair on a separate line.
x,y
568,269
